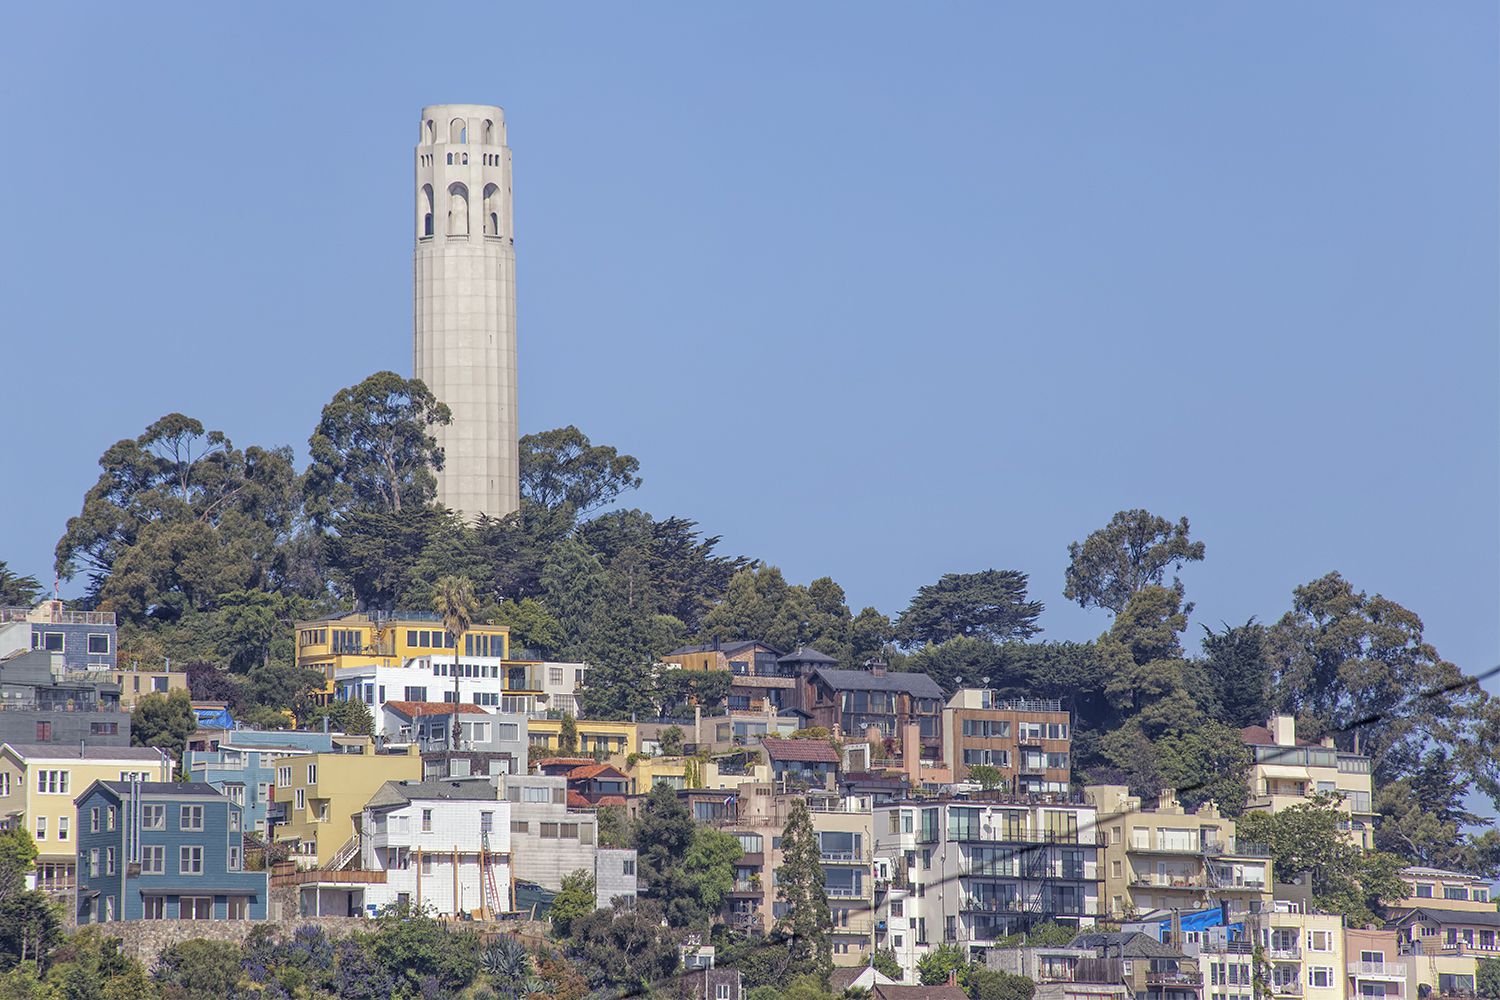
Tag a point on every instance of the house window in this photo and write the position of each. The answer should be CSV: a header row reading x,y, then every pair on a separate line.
x,y
94,820
520,826
94,863
52,782
628,866
153,817
237,908
486,822
1320,940
109,861
195,907
153,860
52,642
312,774
300,797
109,909
44,732
1320,976
555,676
190,861
4,784
111,817
41,828
283,776
1455,892
234,857
235,793
426,820
154,908
63,827
190,818
426,864
99,643
721,991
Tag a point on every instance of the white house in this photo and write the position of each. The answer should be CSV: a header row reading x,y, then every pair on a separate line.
x,y
507,686
443,845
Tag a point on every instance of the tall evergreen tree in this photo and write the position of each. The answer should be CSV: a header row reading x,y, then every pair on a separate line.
x,y
807,925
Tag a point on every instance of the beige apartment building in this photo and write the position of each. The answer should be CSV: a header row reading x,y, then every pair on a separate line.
x,y
1305,952
844,828
1286,771
1160,856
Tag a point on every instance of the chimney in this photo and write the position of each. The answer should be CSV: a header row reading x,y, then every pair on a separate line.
x,y
952,977
1284,730
877,667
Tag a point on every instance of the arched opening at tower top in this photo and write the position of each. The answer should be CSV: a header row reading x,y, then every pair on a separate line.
x,y
458,131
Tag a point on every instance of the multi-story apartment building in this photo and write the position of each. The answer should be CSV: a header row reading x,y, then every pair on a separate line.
x,y
318,796
1444,927
879,704
163,850
409,657
1305,952
1285,771
490,683
973,871
1165,857
243,767
42,700
38,784
595,737
1374,967
1028,740
85,640
757,815
550,839
718,733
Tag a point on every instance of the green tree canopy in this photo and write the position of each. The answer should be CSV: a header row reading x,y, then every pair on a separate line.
x,y
374,451
807,924
18,591
1305,839
989,605
562,466
1130,553
165,721
574,900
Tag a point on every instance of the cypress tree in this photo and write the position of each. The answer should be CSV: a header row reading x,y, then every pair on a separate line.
x,y
808,924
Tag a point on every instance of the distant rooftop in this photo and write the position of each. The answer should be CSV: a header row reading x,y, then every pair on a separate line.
x,y
413,709
172,788
725,646
55,613
809,751
71,751
918,685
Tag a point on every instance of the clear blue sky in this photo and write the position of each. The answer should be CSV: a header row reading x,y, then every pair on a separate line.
x,y
877,292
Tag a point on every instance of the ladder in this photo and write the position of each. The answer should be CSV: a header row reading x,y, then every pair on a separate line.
x,y
491,892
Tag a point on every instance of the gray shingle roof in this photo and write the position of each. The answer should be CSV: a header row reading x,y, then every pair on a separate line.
x,y
172,788
396,793
726,647
918,685
806,654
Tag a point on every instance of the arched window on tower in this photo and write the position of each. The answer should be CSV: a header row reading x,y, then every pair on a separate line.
x,y
491,210
458,210
489,132
426,211
458,131
431,134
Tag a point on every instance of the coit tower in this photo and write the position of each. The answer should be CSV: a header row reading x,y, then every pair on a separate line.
x,y
465,302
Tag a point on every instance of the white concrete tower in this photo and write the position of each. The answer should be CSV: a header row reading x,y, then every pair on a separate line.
x,y
465,302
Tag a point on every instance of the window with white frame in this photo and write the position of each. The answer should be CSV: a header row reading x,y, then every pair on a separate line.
x,y
4,784
283,776
190,818
52,782
41,828
300,798
153,860
64,827
1320,976
312,774
190,861
153,817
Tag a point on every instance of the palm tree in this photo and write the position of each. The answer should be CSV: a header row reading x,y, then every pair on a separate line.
x,y
453,599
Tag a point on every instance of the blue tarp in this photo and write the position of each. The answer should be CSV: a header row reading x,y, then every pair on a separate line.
x,y
214,718
1200,920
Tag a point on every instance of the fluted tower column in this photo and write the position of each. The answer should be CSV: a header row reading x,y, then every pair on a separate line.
x,y
465,302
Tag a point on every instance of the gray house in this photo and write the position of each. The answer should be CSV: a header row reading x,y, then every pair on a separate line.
x,y
43,701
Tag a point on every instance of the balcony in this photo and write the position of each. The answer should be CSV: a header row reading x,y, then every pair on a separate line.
x,y
1377,970
1292,953
1149,880
1292,988
1162,977
861,891
844,857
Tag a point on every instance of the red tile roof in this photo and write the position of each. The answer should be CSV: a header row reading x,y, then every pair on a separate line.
x,y
594,771
412,709
576,800
812,751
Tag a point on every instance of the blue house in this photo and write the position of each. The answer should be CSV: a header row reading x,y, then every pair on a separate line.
x,y
162,850
244,766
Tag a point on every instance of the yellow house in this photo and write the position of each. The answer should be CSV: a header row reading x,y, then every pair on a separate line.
x,y
317,796
360,640
594,737
678,772
37,786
